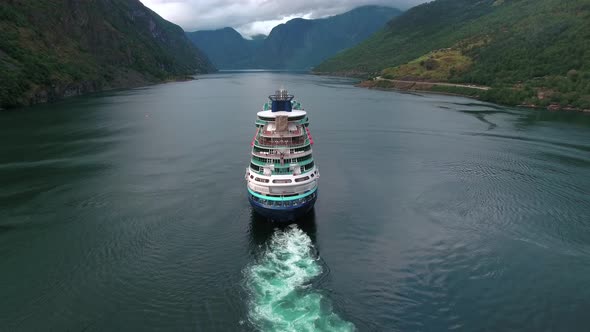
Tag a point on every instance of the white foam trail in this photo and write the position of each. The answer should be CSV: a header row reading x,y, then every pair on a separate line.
x,y
281,298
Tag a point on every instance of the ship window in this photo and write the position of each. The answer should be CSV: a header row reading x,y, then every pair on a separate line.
x,y
302,149
263,160
261,180
304,158
282,181
302,179
312,175
254,167
257,149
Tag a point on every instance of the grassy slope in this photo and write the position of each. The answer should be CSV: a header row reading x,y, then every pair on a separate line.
x,y
439,66
533,48
54,48
418,31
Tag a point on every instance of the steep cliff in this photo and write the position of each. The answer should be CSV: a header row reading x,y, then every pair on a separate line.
x,y
296,44
51,49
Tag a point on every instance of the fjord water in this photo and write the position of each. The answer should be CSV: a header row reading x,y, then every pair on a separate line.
x,y
128,211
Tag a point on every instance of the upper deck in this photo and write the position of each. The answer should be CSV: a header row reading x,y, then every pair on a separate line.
x,y
295,114
270,130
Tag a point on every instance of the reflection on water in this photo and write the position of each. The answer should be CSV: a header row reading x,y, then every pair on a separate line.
x,y
428,220
537,117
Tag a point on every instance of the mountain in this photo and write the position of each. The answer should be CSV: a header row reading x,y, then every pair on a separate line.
x,y
50,49
297,44
529,52
226,48
302,44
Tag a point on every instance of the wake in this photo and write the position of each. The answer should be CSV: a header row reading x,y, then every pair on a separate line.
x,y
281,298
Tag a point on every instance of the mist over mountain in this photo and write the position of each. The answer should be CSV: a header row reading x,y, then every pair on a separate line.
x,y
226,48
296,44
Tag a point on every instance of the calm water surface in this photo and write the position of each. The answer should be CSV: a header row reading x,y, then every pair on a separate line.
x,y
128,211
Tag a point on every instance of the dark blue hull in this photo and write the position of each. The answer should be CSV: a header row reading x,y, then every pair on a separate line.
x,y
283,214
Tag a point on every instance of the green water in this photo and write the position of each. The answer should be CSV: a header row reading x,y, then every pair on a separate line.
x,y
128,211
282,297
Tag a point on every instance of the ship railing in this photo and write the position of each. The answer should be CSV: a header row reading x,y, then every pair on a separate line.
x,y
282,159
274,134
286,171
303,121
285,201
282,190
293,142
284,165
277,155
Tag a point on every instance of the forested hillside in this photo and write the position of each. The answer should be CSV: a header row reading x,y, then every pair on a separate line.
x,y
297,44
529,52
55,48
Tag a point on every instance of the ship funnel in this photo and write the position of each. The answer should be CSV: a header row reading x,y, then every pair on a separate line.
x,y
281,101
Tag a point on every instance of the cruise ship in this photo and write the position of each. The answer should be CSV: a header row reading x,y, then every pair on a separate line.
x,y
282,178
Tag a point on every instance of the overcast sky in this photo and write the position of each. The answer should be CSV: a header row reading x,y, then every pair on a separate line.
x,y
252,17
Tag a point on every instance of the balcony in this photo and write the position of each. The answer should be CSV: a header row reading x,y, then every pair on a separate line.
x,y
276,155
287,134
282,141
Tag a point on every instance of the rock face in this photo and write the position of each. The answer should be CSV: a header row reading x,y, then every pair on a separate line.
x,y
226,48
297,44
50,49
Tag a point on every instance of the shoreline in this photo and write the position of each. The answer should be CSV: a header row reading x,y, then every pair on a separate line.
x,y
44,97
427,87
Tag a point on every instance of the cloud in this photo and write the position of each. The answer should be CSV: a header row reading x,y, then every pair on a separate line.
x,y
252,17
264,27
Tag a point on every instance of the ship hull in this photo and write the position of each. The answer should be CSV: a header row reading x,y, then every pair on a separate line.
x,y
283,214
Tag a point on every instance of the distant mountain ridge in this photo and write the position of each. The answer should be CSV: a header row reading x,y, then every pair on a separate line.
x,y
535,53
50,49
226,47
297,44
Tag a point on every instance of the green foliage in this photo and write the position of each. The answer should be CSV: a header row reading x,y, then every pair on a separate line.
x,y
440,66
505,95
530,47
420,30
457,90
572,90
51,48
